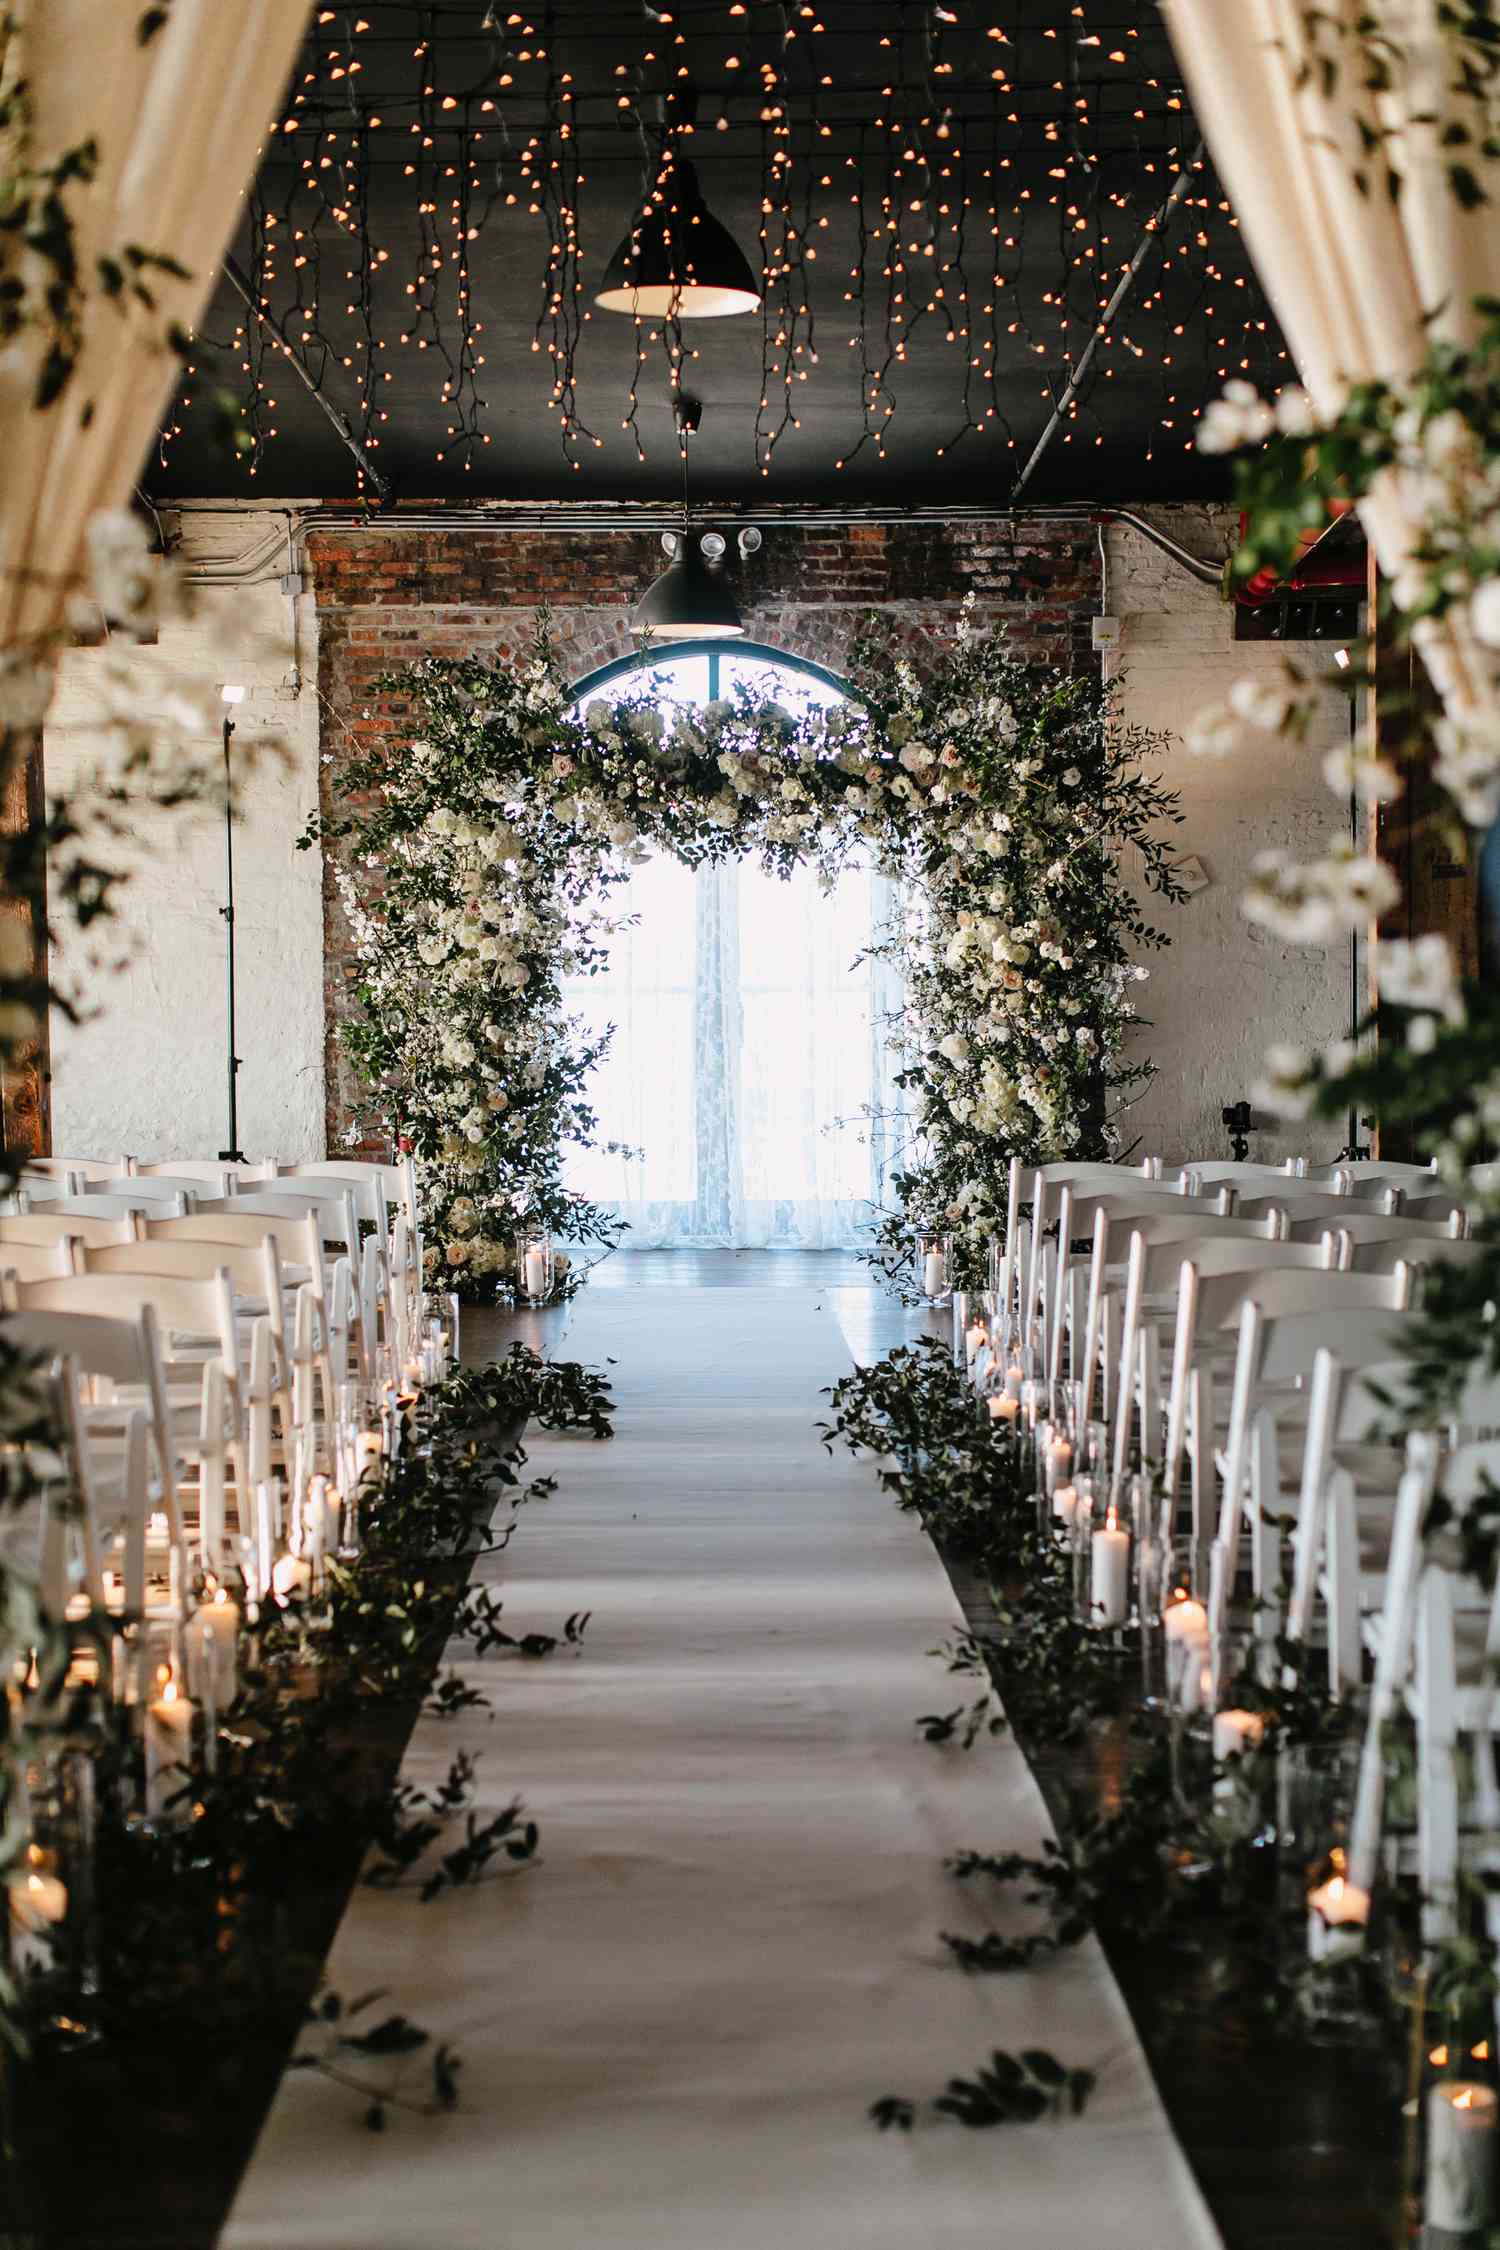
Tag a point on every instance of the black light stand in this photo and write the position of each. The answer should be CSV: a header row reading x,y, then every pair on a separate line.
x,y
234,1154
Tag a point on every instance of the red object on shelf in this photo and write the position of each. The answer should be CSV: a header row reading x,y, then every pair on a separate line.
x,y
1345,566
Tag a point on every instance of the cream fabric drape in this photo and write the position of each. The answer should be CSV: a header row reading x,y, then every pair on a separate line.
x,y
178,123
1360,281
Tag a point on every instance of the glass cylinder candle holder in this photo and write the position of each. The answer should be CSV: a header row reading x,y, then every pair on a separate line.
x,y
1174,1628
935,1268
1104,1549
439,1320
52,1930
1070,1512
1057,1455
1324,1913
1002,1397
1461,2117
533,1267
1243,1766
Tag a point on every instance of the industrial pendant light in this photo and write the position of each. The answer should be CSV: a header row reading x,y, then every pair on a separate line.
x,y
677,261
690,601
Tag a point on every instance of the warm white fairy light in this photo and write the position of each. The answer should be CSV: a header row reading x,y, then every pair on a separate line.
x,y
950,251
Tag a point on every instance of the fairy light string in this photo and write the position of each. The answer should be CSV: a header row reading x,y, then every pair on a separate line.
x,y
950,188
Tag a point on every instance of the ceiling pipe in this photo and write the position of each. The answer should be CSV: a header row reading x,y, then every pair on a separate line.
x,y
654,517
1154,228
378,482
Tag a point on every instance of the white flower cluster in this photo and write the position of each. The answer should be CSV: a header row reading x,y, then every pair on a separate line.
x,y
1241,417
979,794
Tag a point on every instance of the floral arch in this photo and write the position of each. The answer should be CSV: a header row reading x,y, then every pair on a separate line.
x,y
476,863
748,1093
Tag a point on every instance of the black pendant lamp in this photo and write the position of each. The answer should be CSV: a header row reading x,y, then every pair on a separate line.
x,y
678,261
690,601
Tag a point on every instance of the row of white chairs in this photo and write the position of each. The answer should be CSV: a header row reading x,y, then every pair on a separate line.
x,y
204,1357
1253,1337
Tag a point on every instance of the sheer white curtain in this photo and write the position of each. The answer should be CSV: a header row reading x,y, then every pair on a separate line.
x,y
749,1048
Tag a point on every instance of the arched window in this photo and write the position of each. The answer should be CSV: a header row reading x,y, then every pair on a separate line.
x,y
749,1079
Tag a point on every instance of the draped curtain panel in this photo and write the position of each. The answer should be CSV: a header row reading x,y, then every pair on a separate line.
x,y
752,1074
1360,280
178,123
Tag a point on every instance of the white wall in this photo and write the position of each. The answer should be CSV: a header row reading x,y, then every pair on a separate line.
x,y
147,1074
1223,991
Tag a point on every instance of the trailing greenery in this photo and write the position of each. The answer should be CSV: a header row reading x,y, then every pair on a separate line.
x,y
374,2061
1152,1863
967,1479
1007,2090
190,1926
476,863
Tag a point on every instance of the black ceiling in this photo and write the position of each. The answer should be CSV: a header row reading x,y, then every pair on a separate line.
x,y
448,157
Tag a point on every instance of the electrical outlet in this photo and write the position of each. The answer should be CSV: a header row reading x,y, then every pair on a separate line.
x,y
1191,874
1106,632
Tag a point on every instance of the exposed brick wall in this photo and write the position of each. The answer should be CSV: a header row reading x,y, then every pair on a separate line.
x,y
386,595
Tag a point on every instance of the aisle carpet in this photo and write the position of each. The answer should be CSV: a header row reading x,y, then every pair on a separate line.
x,y
672,2025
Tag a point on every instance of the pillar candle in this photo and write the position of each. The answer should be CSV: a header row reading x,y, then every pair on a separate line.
x,y
1058,1462
1109,1573
1461,2122
1236,1732
1065,1505
292,1577
1185,1625
1013,1382
212,1634
169,1736
1004,1408
38,1904
934,1274
315,1519
536,1272
975,1339
1337,1912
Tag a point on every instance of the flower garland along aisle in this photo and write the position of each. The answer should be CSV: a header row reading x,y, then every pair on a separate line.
x,y
476,863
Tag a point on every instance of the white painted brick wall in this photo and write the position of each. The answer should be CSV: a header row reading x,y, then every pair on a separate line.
x,y
146,1074
1223,991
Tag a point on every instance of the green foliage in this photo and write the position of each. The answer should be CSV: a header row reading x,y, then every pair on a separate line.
x,y
477,862
1007,2090
374,2062
190,1923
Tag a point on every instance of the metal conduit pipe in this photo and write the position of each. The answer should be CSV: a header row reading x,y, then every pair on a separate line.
x,y
645,517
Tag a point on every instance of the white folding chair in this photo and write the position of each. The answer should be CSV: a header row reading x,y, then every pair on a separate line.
x,y
43,1227
1271,1354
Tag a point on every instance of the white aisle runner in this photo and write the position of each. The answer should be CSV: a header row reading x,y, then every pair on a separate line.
x,y
672,2025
